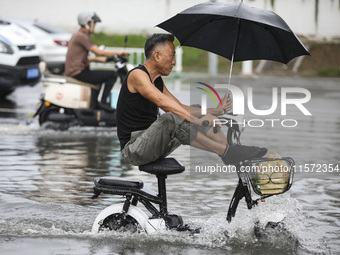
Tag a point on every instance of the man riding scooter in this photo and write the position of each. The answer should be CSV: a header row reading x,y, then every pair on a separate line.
x,y
78,62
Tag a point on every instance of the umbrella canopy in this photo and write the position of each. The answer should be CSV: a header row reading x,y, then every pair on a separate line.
x,y
235,31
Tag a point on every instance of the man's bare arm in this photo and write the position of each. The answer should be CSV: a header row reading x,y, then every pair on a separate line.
x,y
138,81
107,53
219,110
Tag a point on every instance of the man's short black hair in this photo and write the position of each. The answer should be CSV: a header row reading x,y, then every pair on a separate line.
x,y
153,40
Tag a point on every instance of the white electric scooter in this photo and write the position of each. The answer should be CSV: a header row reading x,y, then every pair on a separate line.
x,y
129,217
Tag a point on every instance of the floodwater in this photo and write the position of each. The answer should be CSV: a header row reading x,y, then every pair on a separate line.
x,y
46,180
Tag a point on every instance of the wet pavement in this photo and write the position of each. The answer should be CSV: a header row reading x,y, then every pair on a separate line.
x,y
47,177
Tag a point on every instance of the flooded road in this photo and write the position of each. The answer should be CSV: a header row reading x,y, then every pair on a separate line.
x,y
46,180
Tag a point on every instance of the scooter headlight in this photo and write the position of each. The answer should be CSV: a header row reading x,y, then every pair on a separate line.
x,y
5,48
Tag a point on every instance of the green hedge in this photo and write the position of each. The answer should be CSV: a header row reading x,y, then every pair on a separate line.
x,y
193,59
134,41
329,72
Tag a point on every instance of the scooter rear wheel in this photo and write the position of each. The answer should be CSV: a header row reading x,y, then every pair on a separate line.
x,y
112,218
120,222
43,117
46,123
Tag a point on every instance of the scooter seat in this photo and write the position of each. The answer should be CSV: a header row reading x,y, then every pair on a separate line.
x,y
110,182
165,166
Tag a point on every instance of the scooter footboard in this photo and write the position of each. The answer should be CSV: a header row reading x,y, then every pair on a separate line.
x,y
268,176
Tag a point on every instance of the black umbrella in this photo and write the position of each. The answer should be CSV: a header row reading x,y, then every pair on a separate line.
x,y
236,31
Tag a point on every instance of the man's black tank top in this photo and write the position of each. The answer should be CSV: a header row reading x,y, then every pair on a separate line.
x,y
134,112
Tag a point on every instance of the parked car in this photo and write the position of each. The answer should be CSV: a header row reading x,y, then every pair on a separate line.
x,y
52,42
19,58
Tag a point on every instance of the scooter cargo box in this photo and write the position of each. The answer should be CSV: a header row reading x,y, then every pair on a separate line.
x,y
67,95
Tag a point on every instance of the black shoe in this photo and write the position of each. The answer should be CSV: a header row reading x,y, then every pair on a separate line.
x,y
105,107
263,151
237,153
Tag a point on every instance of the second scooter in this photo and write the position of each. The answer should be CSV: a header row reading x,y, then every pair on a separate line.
x,y
65,102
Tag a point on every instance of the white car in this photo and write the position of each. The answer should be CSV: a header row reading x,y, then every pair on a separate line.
x,y
52,43
19,58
